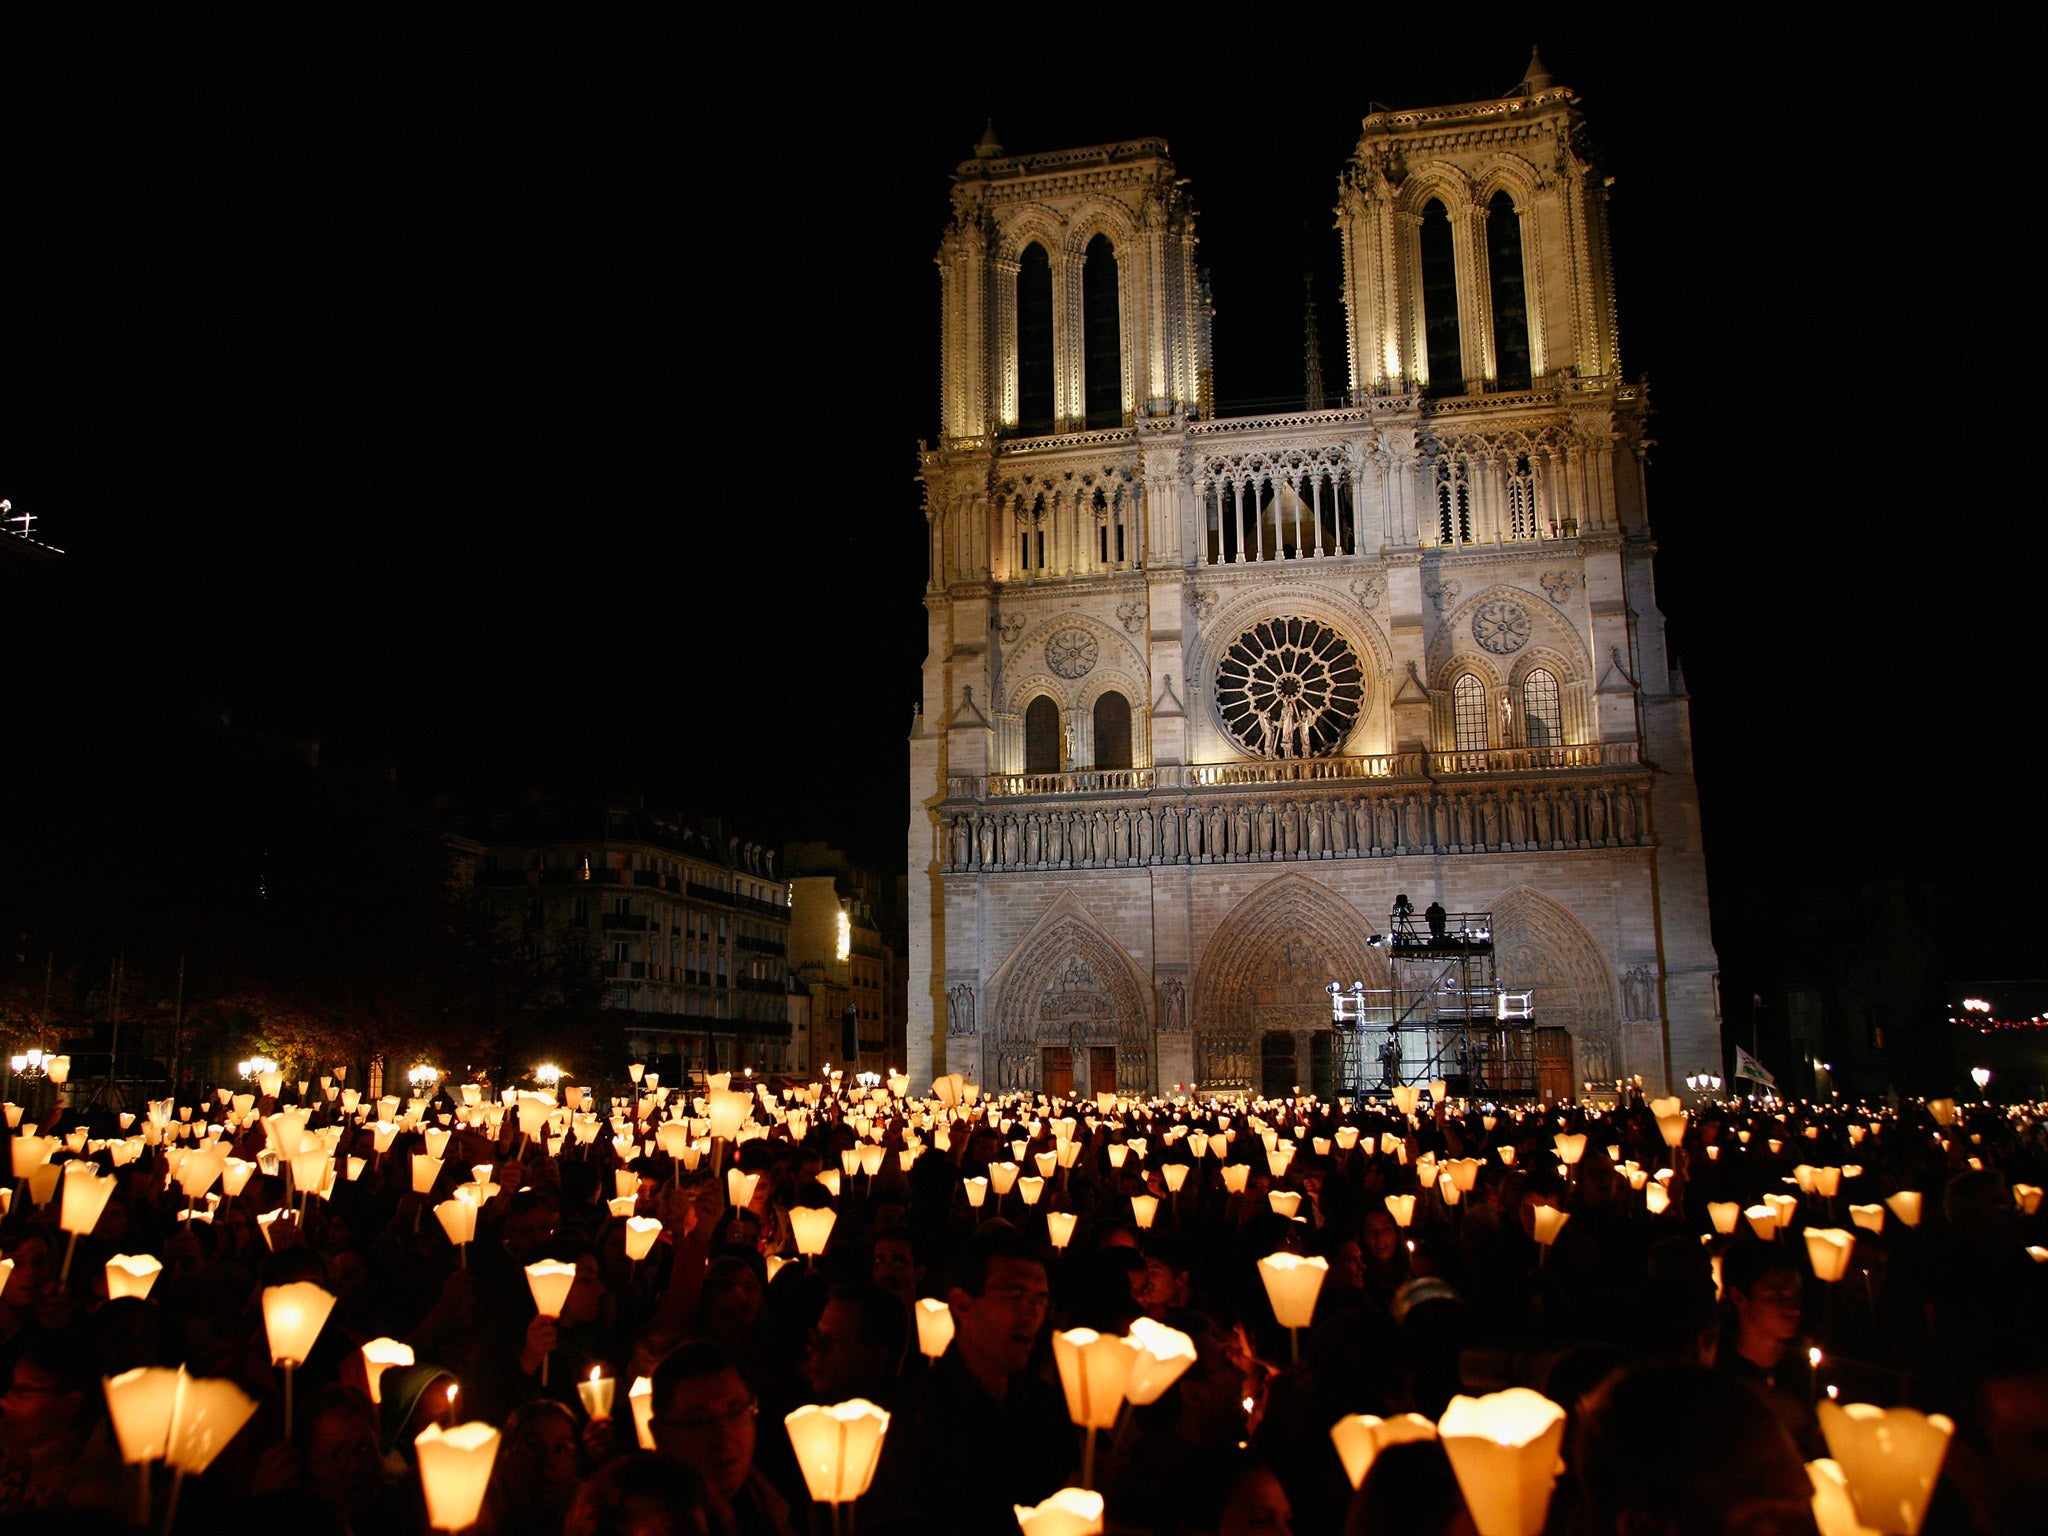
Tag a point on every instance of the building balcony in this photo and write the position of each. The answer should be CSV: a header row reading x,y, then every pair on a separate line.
x,y
1388,767
1501,800
625,922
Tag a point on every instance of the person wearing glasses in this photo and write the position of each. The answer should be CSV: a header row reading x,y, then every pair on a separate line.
x,y
978,1433
705,1417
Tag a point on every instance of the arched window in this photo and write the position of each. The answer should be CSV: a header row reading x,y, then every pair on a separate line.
x,y
1112,731
1510,309
1521,489
1468,713
1453,502
1034,341
1440,302
1542,714
1042,736
1101,336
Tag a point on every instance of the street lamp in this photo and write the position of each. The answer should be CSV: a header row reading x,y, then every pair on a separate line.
x,y
1981,1076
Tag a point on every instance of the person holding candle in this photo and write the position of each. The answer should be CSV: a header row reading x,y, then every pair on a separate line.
x,y
856,1347
1675,1450
57,1454
538,1472
706,1417
893,1265
1760,1287
978,1434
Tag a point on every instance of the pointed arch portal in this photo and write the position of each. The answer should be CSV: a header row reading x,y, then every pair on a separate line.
x,y
1266,970
1069,1000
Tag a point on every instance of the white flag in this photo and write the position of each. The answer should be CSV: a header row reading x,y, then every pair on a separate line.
x,y
1748,1066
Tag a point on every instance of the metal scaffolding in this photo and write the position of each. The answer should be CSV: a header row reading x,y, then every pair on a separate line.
x,y
1445,1017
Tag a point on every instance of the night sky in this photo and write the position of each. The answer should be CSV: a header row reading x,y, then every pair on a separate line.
x,y
533,400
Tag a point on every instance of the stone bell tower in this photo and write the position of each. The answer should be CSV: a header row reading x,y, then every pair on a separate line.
x,y
1203,694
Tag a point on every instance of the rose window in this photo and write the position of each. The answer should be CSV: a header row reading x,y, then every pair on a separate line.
x,y
1289,688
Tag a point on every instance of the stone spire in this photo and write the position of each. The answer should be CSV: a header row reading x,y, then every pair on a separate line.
x,y
1312,349
1535,78
990,148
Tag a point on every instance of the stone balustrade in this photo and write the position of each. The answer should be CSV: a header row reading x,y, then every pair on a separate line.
x,y
1297,770
1330,818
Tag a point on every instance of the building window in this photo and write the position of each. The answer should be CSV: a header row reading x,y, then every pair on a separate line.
x,y
1468,713
1112,731
1510,309
1521,488
1440,302
1034,341
1453,502
1542,715
1042,736
1101,336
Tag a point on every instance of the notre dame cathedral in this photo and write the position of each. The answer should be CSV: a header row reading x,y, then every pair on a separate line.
x,y
1205,694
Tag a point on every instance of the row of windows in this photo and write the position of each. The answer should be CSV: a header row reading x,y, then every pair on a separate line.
x,y
1043,741
1542,712
1542,722
1442,340
1102,388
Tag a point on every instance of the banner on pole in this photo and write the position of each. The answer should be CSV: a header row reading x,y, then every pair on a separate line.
x,y
1748,1066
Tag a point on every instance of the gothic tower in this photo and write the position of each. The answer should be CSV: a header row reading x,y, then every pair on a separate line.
x,y
1203,695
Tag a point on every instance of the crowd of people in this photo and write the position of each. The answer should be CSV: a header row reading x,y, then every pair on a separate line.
x,y
1691,1348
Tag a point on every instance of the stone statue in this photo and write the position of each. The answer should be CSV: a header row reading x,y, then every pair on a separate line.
x,y
960,1010
1639,994
1626,825
1172,1007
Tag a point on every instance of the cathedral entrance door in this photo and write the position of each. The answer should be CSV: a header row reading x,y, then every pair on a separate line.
x,y
1276,1064
1554,1065
1056,1071
1322,1063
1102,1069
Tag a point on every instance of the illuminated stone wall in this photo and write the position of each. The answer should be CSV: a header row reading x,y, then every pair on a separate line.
x,y
1409,644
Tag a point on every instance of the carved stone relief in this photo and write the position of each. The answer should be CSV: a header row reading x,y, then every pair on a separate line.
x,y
1173,1014
960,1010
1071,653
1639,994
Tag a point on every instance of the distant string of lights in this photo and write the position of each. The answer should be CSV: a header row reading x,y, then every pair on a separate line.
x,y
1976,1015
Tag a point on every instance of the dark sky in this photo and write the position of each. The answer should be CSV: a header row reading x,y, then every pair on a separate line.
x,y
530,399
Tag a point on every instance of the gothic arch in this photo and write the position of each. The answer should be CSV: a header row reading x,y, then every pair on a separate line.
x,y
1455,665
1029,222
1030,685
1067,983
1439,180
1510,174
1110,220
1109,680
1266,966
1549,629
1565,669
1113,648
1308,601
1543,947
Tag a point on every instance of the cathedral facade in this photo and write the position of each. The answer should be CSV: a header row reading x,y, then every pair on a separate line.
x,y
1205,694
